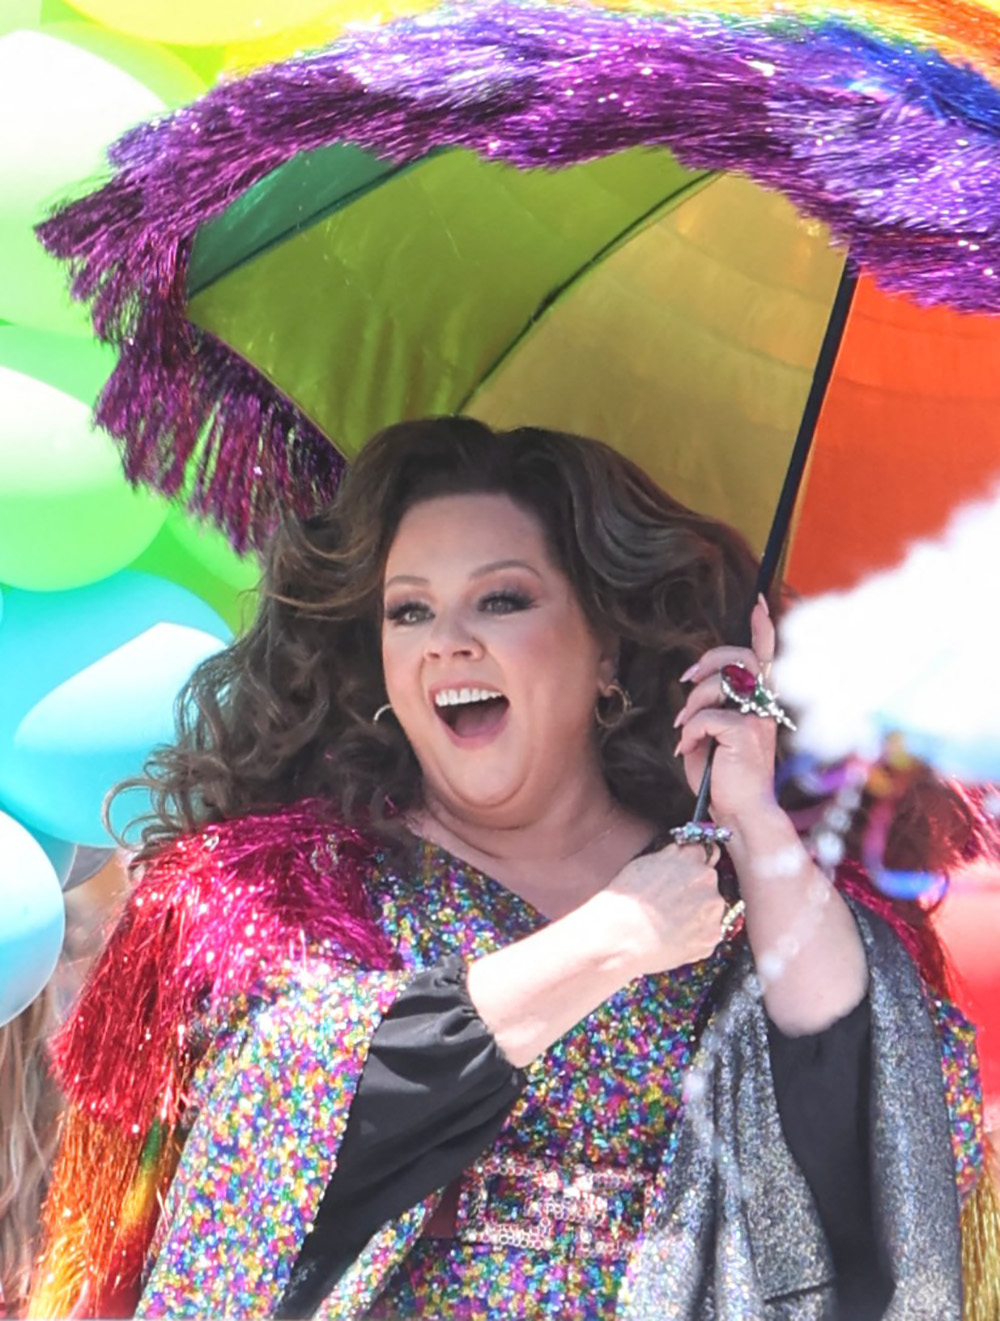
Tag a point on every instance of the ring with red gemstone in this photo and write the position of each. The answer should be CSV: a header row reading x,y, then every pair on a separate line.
x,y
749,694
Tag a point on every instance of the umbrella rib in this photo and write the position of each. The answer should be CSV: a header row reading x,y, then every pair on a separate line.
x,y
553,296
200,279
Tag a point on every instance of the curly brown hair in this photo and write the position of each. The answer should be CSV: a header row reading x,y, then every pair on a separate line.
x,y
285,713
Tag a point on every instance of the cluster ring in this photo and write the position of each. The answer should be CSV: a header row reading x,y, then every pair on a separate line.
x,y
750,695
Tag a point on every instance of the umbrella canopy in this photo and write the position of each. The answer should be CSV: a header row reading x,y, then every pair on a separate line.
x,y
676,314
365,234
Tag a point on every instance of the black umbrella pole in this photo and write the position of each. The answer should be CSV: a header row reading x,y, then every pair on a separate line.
x,y
797,463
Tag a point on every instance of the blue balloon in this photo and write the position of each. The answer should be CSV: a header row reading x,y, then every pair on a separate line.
x,y
32,918
90,681
60,852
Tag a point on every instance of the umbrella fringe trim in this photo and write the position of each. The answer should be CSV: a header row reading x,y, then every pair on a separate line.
x,y
493,79
200,419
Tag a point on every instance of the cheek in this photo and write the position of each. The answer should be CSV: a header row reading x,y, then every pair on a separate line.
x,y
399,662
560,665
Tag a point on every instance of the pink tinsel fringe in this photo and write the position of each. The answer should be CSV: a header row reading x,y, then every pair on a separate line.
x,y
209,921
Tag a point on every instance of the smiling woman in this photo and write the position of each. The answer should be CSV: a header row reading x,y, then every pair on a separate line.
x,y
398,1020
490,655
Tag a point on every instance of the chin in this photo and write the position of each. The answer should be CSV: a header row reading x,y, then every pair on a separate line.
x,y
483,801
477,797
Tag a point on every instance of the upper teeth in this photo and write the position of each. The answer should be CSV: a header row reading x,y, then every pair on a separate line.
x,y
459,696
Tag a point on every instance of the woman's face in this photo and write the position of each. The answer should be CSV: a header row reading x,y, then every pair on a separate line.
x,y
490,665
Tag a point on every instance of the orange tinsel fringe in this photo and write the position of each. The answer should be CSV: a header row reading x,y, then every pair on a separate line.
x,y
99,1217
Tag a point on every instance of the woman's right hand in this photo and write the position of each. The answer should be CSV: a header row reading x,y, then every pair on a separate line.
x,y
664,908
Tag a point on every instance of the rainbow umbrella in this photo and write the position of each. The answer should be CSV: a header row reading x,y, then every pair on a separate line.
x,y
699,232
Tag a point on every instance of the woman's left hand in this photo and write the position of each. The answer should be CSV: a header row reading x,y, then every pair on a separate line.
x,y
817,970
743,767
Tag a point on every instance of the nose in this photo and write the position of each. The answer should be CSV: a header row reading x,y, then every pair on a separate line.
x,y
450,635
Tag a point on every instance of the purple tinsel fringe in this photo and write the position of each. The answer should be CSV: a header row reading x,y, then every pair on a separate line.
x,y
896,150
196,399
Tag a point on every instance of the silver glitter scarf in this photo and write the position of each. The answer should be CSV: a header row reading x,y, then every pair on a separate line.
x,y
736,1236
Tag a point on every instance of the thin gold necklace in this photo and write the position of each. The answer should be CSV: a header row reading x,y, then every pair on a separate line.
x,y
559,857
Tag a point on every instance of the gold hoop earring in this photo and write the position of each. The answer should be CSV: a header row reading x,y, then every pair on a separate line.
x,y
613,720
384,710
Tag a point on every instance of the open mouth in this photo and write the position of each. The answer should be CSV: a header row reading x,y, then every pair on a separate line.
x,y
471,712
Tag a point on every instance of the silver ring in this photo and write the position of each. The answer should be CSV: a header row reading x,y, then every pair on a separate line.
x,y
706,834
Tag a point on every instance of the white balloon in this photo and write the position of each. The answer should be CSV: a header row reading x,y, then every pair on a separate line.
x,y
32,918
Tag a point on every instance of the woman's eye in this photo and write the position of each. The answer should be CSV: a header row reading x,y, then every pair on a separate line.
x,y
408,612
505,603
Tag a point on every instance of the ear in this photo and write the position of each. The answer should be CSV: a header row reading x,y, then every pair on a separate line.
x,y
607,668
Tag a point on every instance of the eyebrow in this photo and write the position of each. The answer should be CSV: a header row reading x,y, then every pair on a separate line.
x,y
413,581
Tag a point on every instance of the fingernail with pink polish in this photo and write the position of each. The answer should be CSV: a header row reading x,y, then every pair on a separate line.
x,y
689,673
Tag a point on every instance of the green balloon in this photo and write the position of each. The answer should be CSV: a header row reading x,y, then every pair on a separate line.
x,y
67,515
168,558
208,547
56,11
208,62
171,79
61,107
77,367
19,14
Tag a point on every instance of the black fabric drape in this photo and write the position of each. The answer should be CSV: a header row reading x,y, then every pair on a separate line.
x,y
434,1094
822,1085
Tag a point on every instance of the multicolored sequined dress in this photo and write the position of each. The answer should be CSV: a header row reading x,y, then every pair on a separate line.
x,y
212,1060
545,1222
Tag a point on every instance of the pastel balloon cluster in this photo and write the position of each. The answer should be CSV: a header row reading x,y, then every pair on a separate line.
x,y
109,597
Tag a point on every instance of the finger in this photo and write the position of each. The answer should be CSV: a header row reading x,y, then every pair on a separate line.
x,y
713,661
707,693
693,859
727,727
762,633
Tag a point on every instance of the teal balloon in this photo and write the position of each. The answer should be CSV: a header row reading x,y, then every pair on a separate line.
x,y
32,918
90,681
